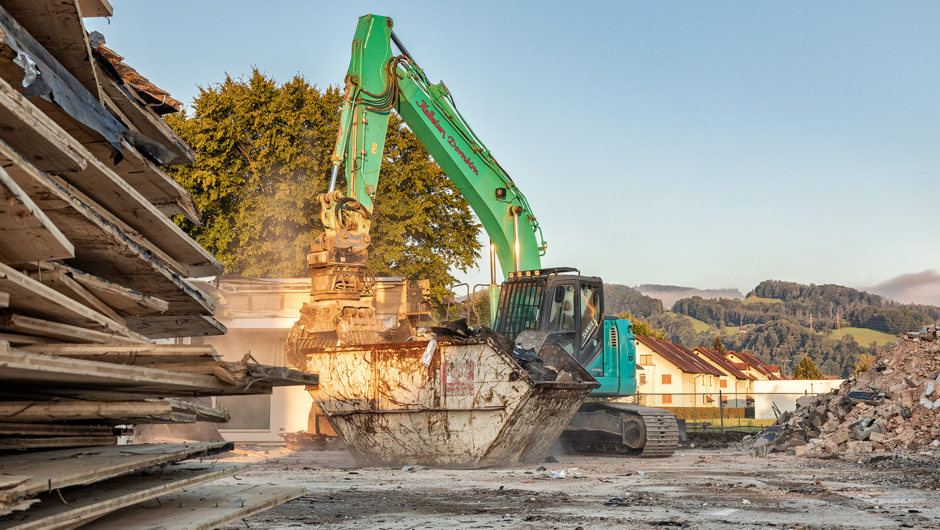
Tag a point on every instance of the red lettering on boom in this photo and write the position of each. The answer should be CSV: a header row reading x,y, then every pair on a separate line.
x,y
423,105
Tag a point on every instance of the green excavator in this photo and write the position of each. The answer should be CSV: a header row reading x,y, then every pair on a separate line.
x,y
566,307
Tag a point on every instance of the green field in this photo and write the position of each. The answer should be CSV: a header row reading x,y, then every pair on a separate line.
x,y
865,336
756,299
696,323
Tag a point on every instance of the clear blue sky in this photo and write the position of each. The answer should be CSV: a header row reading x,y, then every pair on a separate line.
x,y
708,144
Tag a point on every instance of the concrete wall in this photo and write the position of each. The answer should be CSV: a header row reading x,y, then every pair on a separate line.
x,y
259,313
791,390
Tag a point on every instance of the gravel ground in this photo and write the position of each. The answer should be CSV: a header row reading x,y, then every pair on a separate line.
x,y
696,488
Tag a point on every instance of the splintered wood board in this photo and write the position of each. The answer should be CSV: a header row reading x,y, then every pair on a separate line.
x,y
110,412
61,468
26,234
57,27
55,441
62,332
13,338
105,246
126,302
199,508
4,302
31,298
166,326
81,379
146,121
93,176
138,355
34,429
95,8
61,282
85,503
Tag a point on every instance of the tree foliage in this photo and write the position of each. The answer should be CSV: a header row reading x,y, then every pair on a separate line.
x,y
806,369
718,345
863,363
621,299
263,155
642,328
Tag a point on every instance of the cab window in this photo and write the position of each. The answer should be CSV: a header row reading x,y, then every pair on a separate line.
x,y
561,316
590,312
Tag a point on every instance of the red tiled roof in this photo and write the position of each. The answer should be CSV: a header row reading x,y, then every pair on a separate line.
x,y
706,367
724,363
757,364
687,362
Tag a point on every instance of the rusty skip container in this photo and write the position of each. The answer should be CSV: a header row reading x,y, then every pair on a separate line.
x,y
474,406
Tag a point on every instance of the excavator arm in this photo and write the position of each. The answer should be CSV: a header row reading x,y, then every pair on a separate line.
x,y
340,310
377,82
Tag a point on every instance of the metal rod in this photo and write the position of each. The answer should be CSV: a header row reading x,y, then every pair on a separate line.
x,y
515,233
492,263
333,177
494,290
401,47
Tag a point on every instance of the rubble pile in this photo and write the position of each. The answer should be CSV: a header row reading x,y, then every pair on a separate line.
x,y
893,406
527,352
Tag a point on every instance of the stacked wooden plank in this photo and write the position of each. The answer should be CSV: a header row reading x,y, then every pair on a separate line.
x,y
92,271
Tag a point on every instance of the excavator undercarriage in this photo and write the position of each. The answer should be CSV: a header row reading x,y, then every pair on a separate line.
x,y
620,429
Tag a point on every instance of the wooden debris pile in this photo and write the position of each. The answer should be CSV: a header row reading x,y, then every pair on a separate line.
x,y
893,406
92,270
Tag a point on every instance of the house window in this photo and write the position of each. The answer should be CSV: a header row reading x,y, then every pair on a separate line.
x,y
667,380
723,383
642,379
667,399
646,360
724,399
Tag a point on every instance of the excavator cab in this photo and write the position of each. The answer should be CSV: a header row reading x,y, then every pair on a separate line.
x,y
569,307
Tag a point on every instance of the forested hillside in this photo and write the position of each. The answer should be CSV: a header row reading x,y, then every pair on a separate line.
x,y
621,299
782,321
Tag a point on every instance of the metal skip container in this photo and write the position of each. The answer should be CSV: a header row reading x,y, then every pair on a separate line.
x,y
472,406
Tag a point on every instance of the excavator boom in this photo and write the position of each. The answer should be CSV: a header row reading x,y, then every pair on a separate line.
x,y
377,82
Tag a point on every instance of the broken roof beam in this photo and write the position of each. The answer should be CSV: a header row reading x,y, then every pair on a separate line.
x,y
45,77
101,184
26,234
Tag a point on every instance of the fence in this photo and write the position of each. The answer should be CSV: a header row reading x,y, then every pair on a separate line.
x,y
722,411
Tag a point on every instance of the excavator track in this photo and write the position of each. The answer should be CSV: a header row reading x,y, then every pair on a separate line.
x,y
587,435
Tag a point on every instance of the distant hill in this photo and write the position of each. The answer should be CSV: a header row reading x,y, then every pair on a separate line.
x,y
782,321
777,321
669,294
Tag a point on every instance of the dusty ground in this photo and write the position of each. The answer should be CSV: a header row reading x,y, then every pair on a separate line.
x,y
701,489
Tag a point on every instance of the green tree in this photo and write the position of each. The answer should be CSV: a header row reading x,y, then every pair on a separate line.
x,y
719,346
263,155
642,328
863,363
807,369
